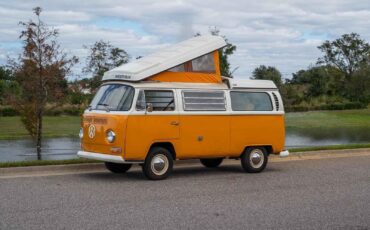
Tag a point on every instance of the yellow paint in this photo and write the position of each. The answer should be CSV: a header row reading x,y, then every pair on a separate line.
x,y
203,136
103,123
195,136
144,130
193,77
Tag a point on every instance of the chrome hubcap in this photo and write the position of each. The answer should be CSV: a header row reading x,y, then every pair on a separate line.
x,y
159,164
256,158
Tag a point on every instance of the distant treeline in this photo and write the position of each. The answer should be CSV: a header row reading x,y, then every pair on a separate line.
x,y
339,80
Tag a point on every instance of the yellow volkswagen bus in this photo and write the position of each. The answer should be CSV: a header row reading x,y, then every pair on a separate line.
x,y
175,105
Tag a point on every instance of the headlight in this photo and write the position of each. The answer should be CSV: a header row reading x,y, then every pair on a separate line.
x,y
81,134
111,136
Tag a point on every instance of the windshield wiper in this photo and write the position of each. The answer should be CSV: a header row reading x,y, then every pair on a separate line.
x,y
105,105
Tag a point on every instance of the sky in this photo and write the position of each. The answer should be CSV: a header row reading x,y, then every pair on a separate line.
x,y
283,33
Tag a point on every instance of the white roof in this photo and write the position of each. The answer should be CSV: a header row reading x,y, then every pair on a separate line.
x,y
166,58
251,84
234,84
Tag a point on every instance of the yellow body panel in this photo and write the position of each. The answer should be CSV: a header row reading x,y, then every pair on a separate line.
x,y
256,130
144,130
193,136
103,123
203,136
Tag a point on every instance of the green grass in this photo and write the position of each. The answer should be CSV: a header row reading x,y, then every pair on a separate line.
x,y
59,126
45,162
329,119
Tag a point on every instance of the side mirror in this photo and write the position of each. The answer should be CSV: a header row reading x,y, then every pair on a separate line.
x,y
149,107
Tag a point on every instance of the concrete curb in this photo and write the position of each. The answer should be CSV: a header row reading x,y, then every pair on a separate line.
x,y
47,170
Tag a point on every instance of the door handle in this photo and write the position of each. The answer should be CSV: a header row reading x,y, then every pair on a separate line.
x,y
175,123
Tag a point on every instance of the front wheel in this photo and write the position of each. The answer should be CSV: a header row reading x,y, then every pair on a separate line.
x,y
254,159
117,168
211,162
158,164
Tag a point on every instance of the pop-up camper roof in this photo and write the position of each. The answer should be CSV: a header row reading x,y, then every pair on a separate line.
x,y
170,57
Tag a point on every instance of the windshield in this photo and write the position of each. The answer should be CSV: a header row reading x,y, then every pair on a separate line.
x,y
113,97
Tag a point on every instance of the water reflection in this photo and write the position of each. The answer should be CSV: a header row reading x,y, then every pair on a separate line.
x,y
24,150
66,148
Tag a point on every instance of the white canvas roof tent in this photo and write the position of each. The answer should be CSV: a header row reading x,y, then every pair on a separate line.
x,y
165,59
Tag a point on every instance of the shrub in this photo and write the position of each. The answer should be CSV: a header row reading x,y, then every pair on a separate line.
x,y
331,106
8,111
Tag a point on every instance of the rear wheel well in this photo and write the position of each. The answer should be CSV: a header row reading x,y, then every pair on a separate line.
x,y
268,148
166,145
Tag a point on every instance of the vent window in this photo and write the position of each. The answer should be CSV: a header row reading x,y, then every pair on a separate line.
x,y
204,101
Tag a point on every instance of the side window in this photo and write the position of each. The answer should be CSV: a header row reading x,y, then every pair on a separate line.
x,y
178,68
162,100
204,63
204,101
250,101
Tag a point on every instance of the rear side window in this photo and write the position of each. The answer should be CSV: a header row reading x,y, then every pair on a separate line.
x,y
204,101
250,101
162,100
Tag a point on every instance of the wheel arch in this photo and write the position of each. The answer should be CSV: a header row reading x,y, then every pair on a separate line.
x,y
167,145
268,148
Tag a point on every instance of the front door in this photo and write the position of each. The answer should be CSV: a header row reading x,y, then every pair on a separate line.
x,y
158,124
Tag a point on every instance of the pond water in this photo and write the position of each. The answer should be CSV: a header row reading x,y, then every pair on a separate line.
x,y
66,148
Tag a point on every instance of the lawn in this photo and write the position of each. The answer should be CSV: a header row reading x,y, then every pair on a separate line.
x,y
329,119
61,126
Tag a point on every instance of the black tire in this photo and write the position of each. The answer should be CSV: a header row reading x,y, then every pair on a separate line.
x,y
211,162
117,168
252,164
164,164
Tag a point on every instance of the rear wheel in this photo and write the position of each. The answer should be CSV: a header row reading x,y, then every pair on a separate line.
x,y
117,168
254,159
158,164
211,162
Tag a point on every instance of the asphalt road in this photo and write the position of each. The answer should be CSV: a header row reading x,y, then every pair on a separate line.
x,y
308,194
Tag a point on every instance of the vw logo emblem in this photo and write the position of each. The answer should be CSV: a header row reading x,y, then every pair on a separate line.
x,y
91,131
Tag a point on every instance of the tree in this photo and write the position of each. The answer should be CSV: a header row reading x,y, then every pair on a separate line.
x,y
41,72
347,53
7,84
103,57
316,78
268,73
359,87
224,54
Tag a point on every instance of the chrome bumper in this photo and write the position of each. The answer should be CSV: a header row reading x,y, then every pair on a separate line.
x,y
104,157
284,153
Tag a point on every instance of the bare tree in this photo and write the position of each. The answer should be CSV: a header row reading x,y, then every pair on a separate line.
x,y
41,72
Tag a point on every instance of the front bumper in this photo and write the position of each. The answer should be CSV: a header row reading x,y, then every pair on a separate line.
x,y
104,157
284,153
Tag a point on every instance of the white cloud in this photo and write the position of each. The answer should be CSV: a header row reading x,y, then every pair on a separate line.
x,y
280,33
